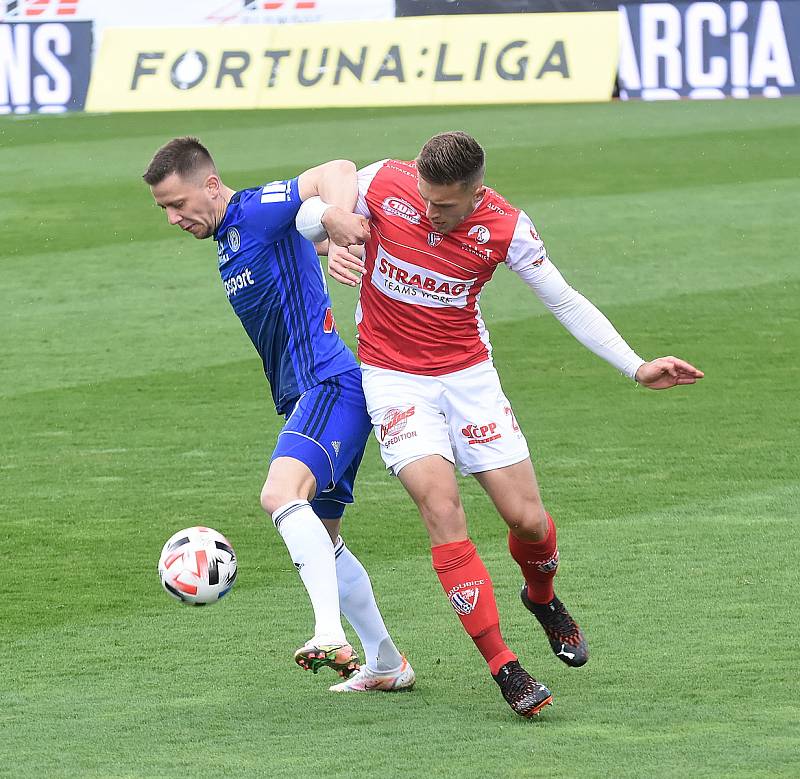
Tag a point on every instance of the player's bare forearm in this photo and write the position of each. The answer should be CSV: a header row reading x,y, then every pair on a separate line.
x,y
335,182
666,372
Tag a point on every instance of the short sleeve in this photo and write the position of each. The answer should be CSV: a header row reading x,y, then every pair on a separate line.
x,y
272,210
365,176
527,250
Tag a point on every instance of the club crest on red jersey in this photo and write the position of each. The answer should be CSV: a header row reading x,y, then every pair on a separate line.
x,y
434,239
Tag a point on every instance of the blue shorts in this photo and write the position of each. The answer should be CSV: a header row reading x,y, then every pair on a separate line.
x,y
327,430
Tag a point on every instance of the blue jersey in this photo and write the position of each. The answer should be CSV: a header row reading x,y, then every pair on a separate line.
x,y
274,281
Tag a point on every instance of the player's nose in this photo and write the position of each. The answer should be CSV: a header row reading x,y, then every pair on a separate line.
x,y
173,217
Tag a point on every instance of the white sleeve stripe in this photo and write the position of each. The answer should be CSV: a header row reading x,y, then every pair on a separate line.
x,y
277,197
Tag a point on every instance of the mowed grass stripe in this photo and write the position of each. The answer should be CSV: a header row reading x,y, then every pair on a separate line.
x,y
593,241
183,465
696,699
263,129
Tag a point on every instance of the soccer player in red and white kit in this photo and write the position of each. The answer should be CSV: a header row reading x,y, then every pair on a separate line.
x,y
437,234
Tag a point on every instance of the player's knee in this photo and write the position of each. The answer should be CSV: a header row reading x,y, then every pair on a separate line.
x,y
272,498
529,522
441,509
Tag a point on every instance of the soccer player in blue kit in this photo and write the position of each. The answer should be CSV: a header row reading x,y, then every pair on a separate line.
x,y
275,284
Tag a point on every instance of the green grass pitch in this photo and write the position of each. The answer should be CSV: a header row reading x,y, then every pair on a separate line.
x,y
132,405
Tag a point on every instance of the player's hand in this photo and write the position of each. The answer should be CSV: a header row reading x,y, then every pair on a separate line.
x,y
345,229
666,372
344,266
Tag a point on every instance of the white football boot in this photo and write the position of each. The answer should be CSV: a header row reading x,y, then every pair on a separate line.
x,y
365,680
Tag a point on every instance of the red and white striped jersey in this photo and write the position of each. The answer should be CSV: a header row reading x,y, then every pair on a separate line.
x,y
418,308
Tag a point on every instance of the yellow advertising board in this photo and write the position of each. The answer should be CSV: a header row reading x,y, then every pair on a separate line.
x,y
433,60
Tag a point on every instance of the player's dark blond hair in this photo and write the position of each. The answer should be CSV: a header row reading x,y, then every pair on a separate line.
x,y
450,158
185,156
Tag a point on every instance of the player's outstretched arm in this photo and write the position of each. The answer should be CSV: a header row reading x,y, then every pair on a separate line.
x,y
666,372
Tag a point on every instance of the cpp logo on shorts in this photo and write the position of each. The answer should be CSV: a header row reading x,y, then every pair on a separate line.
x,y
396,206
395,421
481,233
481,434
234,241
464,597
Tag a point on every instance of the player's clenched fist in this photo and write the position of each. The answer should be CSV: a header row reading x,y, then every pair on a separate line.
x,y
345,229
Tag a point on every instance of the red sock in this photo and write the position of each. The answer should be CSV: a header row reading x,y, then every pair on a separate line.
x,y
538,561
469,587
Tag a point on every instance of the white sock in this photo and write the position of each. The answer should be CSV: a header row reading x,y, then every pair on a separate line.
x,y
358,605
311,551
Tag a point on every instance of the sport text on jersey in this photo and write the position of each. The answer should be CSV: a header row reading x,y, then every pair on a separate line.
x,y
237,282
409,283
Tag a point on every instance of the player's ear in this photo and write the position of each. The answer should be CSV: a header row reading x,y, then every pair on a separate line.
x,y
213,185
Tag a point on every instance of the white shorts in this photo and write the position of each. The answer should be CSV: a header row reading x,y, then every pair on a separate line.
x,y
462,416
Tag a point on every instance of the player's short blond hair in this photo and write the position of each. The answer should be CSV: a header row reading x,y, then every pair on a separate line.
x,y
450,158
185,156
